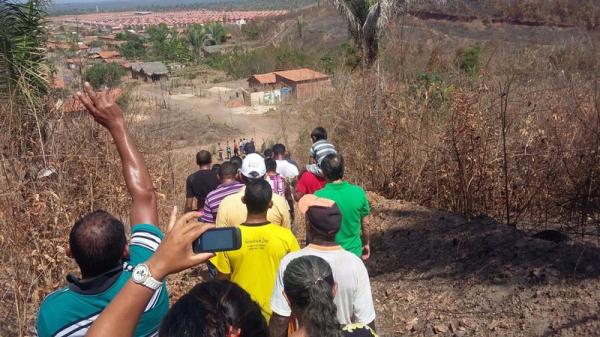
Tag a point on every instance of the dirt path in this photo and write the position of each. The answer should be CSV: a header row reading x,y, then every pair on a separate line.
x,y
434,273
193,122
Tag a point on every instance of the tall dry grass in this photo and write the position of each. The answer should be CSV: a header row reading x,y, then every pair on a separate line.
x,y
518,139
36,213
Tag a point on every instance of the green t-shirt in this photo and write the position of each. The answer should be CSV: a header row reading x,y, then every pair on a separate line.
x,y
70,311
352,202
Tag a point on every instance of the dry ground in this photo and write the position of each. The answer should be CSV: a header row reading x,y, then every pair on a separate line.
x,y
438,274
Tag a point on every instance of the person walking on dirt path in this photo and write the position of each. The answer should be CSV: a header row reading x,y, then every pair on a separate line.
x,y
220,149
228,150
236,150
232,211
242,146
229,185
254,266
98,244
288,157
353,298
200,183
308,183
268,153
249,147
288,171
352,201
277,182
284,167
218,308
310,287
237,161
320,148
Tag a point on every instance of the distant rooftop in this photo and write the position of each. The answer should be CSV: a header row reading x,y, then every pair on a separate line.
x,y
301,75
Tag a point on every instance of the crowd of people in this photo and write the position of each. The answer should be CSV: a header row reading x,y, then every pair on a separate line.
x,y
240,148
269,287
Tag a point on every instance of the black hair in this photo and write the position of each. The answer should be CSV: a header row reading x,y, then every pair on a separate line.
x,y
268,153
228,170
308,283
210,308
203,158
257,196
271,164
318,133
333,167
279,149
237,161
216,168
97,241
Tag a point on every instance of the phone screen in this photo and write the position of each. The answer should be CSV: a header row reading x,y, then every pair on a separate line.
x,y
218,239
213,240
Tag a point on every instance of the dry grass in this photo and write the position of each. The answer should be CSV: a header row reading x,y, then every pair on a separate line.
x,y
420,128
37,213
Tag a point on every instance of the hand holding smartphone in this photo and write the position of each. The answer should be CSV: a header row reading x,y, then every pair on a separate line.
x,y
218,240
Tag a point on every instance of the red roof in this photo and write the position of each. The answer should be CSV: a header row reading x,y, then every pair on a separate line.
x,y
300,75
72,105
108,54
268,78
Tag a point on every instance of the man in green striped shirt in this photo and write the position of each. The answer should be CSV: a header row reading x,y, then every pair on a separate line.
x,y
98,244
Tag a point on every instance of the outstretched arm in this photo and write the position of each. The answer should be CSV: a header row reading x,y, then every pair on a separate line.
x,y
139,184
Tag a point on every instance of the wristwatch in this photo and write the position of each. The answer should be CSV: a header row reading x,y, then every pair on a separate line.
x,y
141,275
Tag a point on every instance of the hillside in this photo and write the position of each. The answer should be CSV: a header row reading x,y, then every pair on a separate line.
x,y
438,273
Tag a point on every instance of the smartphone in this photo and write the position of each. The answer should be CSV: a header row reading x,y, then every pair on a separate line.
x,y
218,240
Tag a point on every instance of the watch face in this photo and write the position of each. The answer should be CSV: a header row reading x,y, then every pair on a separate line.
x,y
140,273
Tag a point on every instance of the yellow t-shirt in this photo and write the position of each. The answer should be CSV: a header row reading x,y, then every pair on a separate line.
x,y
254,266
232,211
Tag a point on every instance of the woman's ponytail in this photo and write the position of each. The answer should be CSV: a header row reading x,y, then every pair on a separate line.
x,y
308,283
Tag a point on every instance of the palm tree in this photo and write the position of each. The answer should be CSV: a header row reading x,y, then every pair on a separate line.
x,y
23,71
366,23
196,36
22,48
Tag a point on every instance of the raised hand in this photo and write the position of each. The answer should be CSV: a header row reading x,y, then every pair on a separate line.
x,y
101,106
175,251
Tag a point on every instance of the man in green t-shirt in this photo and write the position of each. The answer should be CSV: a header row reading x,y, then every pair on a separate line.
x,y
353,204
98,244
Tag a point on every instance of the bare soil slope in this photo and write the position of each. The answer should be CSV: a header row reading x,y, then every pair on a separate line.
x,y
434,273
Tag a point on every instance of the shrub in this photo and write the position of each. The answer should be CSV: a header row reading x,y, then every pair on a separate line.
x,y
468,60
104,74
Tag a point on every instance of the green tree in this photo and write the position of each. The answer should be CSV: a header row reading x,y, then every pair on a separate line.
x,y
196,36
134,47
167,44
217,31
104,74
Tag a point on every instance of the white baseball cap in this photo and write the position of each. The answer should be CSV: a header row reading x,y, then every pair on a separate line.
x,y
253,166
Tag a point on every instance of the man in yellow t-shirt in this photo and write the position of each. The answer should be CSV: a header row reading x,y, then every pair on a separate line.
x,y
254,266
232,211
